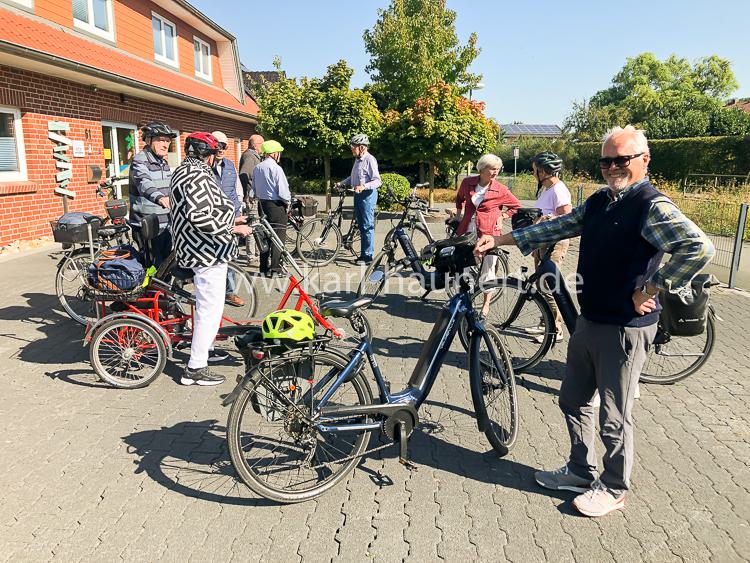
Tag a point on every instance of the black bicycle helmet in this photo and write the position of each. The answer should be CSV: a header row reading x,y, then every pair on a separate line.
x,y
548,161
201,145
157,129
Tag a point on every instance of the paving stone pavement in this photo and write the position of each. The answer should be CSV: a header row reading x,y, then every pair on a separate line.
x,y
90,473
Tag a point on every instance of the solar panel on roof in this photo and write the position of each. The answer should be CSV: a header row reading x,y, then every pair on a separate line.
x,y
531,129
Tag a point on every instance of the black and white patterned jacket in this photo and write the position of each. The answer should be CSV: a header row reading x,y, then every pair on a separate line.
x,y
202,217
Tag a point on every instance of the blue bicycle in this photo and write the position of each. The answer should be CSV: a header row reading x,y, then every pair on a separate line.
x,y
302,418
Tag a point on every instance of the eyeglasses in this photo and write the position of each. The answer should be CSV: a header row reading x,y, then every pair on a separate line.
x,y
619,161
222,146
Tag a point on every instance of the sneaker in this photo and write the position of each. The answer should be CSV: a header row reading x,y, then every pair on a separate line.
x,y
217,355
234,300
363,261
562,480
558,337
598,501
201,376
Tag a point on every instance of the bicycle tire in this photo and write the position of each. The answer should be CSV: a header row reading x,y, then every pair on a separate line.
x,y
657,360
525,349
371,286
254,408
244,288
70,284
311,250
122,344
493,390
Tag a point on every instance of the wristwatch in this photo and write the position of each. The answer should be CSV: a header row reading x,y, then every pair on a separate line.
x,y
645,292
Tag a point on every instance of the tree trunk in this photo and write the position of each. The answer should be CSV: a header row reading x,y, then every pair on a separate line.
x,y
421,172
431,200
327,176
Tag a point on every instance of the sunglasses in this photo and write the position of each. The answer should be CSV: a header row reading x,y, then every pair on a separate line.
x,y
222,146
619,161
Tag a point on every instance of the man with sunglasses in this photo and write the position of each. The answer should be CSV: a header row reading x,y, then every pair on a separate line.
x,y
625,228
229,182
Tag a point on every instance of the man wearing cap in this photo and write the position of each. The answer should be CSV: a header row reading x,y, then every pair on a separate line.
x,y
229,182
272,190
365,179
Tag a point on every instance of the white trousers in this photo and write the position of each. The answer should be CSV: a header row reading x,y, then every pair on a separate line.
x,y
210,288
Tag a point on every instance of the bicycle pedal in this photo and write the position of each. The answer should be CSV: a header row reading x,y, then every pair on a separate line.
x,y
408,464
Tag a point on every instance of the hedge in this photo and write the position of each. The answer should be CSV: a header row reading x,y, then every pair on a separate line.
x,y
674,159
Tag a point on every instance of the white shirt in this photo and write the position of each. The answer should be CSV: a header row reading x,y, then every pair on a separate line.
x,y
476,199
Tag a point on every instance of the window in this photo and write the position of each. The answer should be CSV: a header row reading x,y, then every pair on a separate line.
x,y
12,155
165,40
25,3
94,16
120,145
202,52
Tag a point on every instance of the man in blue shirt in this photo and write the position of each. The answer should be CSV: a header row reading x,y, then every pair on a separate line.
x,y
272,190
365,179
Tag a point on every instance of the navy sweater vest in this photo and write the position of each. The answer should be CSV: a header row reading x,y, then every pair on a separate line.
x,y
615,259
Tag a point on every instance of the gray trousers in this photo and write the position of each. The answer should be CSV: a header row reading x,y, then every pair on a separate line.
x,y
607,358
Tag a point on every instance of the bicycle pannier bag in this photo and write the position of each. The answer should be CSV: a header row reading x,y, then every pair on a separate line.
x,y
72,227
454,254
685,313
308,206
116,270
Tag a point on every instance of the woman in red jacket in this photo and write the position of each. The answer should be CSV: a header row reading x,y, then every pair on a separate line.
x,y
482,199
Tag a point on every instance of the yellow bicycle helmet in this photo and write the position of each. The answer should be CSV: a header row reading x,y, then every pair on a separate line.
x,y
288,325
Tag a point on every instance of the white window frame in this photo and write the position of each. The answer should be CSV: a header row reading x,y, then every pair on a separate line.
x,y
200,74
19,175
89,26
25,3
163,58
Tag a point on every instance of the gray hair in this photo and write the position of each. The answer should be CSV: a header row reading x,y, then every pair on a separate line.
x,y
489,161
639,136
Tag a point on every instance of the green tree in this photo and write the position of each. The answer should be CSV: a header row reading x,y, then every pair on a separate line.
x,y
669,98
317,117
412,46
441,126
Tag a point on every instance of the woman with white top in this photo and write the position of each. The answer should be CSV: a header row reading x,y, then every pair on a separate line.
x,y
553,198
482,199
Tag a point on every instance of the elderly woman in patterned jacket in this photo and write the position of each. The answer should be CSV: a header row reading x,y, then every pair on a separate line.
x,y
204,226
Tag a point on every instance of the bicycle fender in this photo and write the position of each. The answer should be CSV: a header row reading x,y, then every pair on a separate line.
x,y
475,383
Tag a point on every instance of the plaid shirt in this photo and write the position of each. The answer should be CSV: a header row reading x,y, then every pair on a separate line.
x,y
666,228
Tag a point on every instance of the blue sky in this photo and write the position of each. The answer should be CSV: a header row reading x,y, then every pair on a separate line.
x,y
537,57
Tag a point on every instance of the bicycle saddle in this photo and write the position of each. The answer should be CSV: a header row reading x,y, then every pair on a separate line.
x,y
344,309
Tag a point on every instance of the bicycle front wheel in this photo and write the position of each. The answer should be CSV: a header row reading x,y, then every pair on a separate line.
x,y
127,353
70,284
493,390
318,242
673,358
273,440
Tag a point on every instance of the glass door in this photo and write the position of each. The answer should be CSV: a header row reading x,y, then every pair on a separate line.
x,y
120,142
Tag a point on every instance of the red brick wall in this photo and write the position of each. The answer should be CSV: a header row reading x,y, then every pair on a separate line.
x,y
26,215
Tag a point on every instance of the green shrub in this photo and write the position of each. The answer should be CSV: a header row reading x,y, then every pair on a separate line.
x,y
398,184
297,185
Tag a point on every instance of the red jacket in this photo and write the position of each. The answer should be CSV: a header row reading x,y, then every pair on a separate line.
x,y
496,197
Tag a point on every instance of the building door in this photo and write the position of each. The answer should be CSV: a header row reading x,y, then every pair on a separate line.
x,y
120,146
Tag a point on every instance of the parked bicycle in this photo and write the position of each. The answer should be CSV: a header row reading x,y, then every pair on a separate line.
x,y
320,241
81,246
400,254
527,324
302,419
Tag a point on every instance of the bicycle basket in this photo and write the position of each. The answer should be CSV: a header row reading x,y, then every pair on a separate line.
x,y
685,313
73,227
308,206
452,255
116,276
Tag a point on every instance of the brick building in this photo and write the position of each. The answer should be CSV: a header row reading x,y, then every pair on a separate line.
x,y
97,70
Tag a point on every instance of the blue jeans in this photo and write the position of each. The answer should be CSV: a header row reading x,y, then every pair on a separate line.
x,y
364,211
231,282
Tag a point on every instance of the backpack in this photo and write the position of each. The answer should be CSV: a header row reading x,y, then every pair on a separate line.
x,y
685,313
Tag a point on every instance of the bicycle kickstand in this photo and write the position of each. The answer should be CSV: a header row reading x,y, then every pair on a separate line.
x,y
403,442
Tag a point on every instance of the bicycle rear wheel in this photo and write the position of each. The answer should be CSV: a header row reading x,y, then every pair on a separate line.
x,y
274,444
241,298
493,390
501,272
529,334
318,242
376,274
128,354
70,283
673,358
